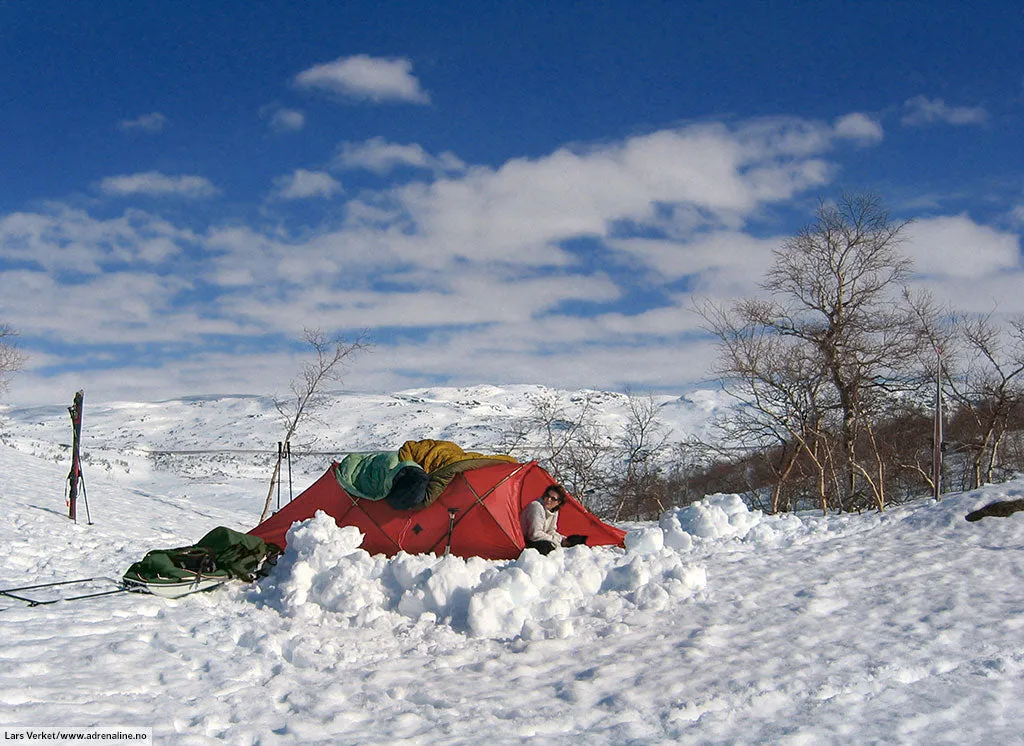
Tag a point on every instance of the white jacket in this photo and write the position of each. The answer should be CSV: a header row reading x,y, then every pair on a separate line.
x,y
540,524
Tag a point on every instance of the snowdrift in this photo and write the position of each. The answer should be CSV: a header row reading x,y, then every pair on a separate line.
x,y
325,572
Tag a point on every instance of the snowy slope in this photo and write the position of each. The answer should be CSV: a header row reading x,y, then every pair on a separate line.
x,y
717,625
125,437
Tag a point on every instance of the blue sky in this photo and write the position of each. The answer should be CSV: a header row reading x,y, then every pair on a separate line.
x,y
498,192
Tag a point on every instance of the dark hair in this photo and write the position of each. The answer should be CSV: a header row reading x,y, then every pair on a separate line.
x,y
558,490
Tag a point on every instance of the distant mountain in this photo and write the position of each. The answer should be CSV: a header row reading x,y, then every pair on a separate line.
x,y
217,437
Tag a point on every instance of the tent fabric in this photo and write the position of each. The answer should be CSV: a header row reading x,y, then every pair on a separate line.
x,y
436,454
481,505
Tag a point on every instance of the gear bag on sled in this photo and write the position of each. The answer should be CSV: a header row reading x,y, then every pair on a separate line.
x,y
218,557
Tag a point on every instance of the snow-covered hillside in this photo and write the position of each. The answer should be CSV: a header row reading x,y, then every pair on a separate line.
x,y
207,439
716,625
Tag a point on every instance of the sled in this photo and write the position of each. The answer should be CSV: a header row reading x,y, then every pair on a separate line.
x,y
218,557
175,588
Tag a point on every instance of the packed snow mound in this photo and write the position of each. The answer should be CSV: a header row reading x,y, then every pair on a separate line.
x,y
323,571
714,517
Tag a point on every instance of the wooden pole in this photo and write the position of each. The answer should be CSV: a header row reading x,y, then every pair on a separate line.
x,y
937,432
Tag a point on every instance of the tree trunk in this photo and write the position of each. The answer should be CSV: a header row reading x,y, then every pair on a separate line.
x,y
993,456
787,470
270,493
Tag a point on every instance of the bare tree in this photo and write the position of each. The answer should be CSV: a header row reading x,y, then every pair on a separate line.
x,y
567,439
784,401
988,388
11,358
615,471
330,356
836,279
818,361
644,440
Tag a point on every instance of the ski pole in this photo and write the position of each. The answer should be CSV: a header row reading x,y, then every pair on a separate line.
x,y
85,499
280,455
288,451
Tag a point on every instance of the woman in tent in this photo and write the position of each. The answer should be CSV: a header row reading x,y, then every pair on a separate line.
x,y
540,522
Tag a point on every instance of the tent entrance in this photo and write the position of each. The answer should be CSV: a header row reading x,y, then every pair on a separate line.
x,y
478,501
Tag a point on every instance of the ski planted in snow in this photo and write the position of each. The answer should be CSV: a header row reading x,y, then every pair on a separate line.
x,y
75,478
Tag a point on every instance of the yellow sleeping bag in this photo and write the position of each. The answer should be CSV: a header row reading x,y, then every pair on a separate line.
x,y
436,454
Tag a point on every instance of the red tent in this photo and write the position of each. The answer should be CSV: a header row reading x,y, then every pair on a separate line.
x,y
482,505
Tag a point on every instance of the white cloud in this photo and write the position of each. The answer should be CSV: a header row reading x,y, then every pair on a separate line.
x,y
956,246
286,120
860,127
667,321
243,256
146,379
303,184
922,111
366,78
74,241
125,307
472,298
152,123
998,294
475,258
1017,214
565,352
380,156
721,263
707,176
523,210
155,184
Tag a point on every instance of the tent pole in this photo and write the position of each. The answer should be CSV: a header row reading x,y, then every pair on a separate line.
x,y
452,512
480,499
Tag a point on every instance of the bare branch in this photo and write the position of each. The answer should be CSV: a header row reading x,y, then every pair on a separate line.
x,y
330,357
11,358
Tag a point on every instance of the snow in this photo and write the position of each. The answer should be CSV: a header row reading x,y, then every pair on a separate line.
x,y
716,624
534,597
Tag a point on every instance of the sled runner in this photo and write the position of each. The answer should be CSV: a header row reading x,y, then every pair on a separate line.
x,y
174,588
33,595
